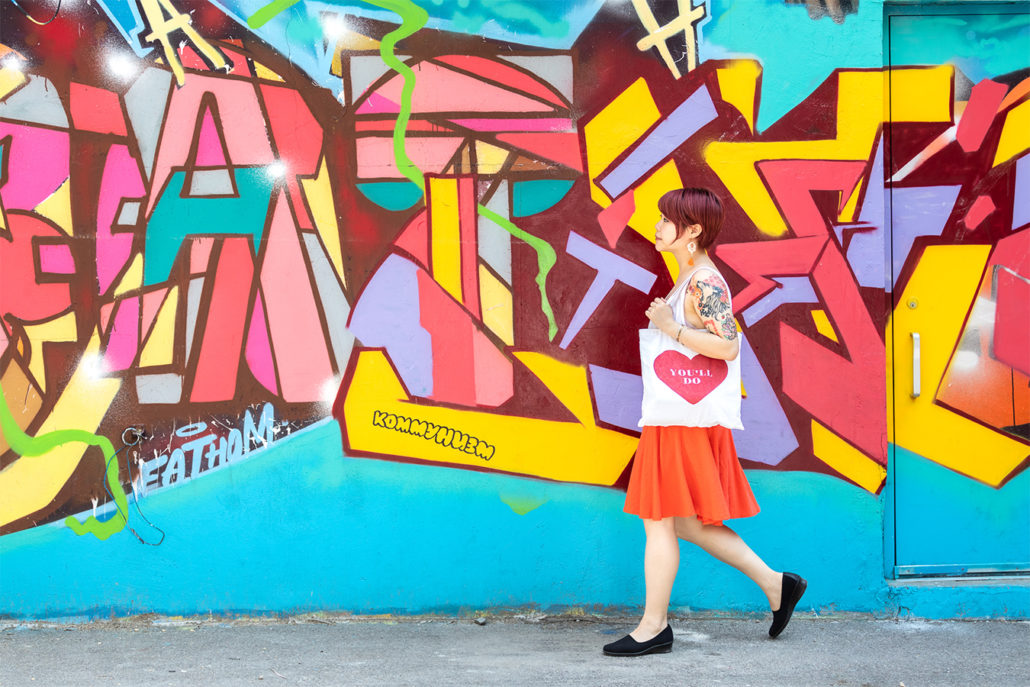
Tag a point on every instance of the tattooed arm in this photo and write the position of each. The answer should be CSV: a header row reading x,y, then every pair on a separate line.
x,y
710,298
712,304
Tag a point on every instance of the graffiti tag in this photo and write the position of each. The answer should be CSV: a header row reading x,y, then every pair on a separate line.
x,y
205,451
445,436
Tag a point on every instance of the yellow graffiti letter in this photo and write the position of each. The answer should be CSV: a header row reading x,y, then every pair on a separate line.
x,y
164,19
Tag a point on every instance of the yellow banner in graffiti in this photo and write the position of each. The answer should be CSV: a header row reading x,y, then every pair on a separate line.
x,y
380,418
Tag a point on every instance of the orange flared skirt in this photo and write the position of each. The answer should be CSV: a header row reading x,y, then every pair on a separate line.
x,y
688,472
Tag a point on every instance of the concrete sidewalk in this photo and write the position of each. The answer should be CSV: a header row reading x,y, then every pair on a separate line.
x,y
515,650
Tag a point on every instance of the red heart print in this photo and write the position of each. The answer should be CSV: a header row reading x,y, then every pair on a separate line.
x,y
692,378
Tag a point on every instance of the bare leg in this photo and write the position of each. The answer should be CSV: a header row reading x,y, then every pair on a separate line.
x,y
661,561
727,546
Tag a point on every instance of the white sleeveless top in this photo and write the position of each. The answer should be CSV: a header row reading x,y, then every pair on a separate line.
x,y
681,386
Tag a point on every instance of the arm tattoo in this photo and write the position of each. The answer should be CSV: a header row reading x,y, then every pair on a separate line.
x,y
713,304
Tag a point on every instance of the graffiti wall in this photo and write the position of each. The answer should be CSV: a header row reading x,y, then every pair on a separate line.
x,y
430,223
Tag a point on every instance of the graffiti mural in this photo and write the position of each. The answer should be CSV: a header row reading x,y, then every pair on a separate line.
x,y
433,222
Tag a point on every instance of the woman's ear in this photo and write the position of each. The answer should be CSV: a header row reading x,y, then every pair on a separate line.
x,y
693,231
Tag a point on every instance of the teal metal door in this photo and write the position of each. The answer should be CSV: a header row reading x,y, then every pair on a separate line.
x,y
958,208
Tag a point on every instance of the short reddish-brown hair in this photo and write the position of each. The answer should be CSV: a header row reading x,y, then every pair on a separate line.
x,y
687,206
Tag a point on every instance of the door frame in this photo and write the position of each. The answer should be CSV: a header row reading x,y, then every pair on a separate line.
x,y
891,8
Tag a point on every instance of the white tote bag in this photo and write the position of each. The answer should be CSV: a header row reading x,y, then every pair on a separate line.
x,y
683,387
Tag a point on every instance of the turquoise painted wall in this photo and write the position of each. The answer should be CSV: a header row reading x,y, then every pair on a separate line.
x,y
302,528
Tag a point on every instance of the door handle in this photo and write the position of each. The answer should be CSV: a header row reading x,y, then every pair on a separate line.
x,y
915,365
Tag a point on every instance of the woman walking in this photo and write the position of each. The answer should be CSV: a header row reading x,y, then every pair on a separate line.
x,y
686,478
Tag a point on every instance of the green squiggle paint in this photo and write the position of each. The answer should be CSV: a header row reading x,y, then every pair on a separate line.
x,y
265,14
28,447
545,259
413,19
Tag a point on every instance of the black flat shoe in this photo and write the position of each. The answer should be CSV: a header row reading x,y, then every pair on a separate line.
x,y
627,646
793,587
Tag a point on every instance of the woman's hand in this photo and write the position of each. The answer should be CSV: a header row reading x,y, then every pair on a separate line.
x,y
660,313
